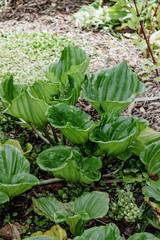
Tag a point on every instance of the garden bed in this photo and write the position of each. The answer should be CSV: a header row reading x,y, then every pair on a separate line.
x,y
26,25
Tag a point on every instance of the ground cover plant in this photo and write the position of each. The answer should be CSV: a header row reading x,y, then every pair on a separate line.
x,y
34,50
82,150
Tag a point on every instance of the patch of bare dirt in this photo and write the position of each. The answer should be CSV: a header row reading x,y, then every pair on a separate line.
x,y
18,8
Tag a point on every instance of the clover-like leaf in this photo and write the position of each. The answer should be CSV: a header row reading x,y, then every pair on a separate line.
x,y
113,89
73,122
75,214
115,137
14,172
65,162
110,232
151,158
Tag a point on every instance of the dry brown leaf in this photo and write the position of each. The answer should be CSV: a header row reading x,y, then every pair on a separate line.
x,y
11,231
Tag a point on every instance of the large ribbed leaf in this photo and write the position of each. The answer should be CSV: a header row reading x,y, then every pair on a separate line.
x,y
65,162
94,204
110,232
45,91
146,137
14,172
143,236
113,89
73,60
30,109
8,90
51,208
151,158
77,213
3,197
152,190
73,122
116,136
88,206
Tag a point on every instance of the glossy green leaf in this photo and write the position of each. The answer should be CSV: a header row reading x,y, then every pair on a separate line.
x,y
65,162
146,137
94,205
30,109
151,158
113,89
14,172
152,190
75,214
143,236
116,136
73,122
3,197
110,232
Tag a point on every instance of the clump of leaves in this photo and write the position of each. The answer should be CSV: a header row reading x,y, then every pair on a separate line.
x,y
124,207
76,214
